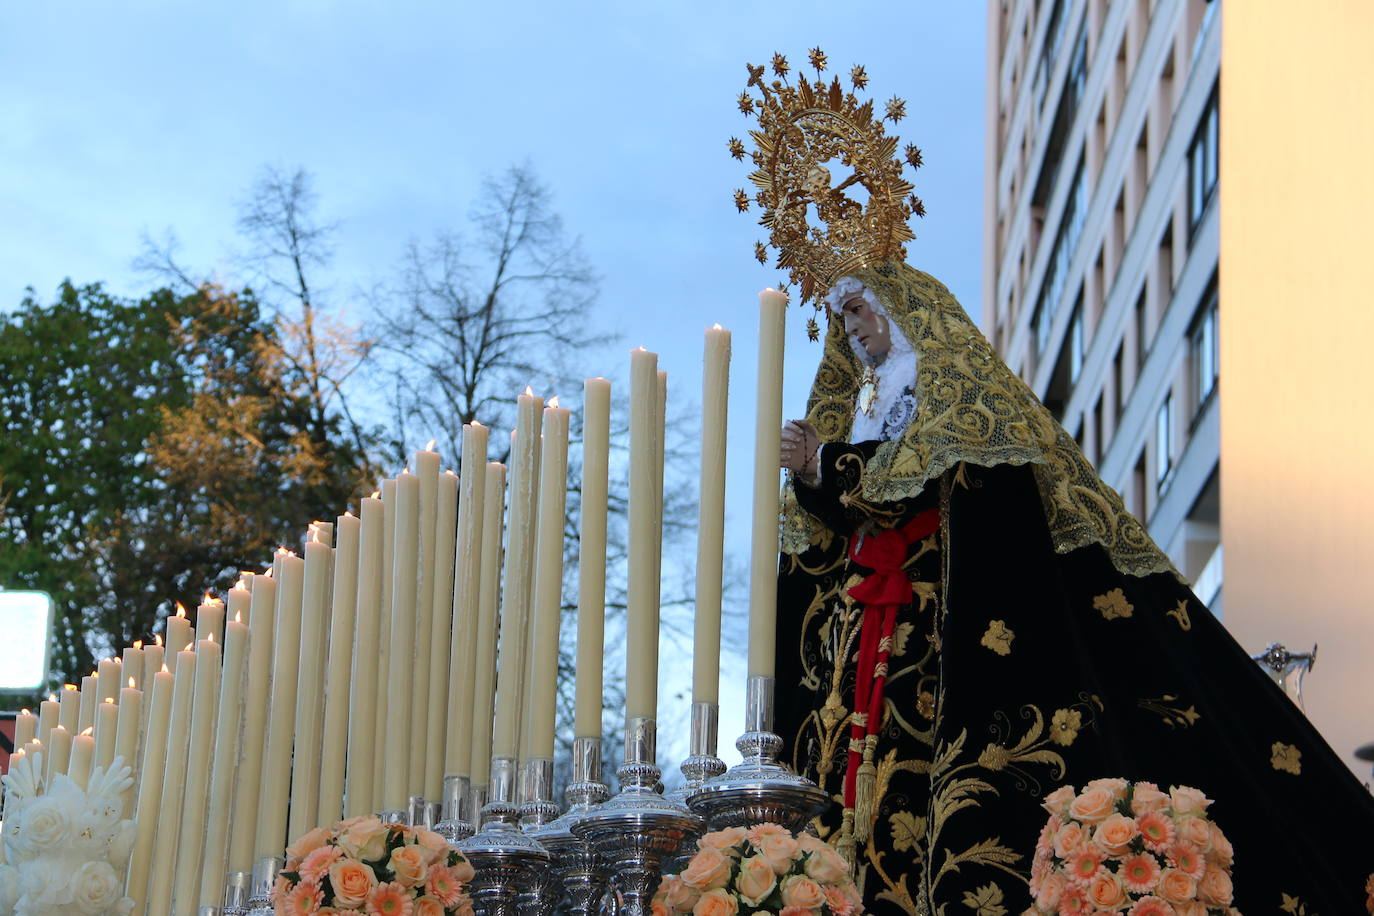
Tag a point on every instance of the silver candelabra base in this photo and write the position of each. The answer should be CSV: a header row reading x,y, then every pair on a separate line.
x,y
580,868
503,857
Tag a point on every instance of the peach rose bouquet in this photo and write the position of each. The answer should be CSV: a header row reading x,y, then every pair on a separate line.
x,y
364,865
761,869
1131,848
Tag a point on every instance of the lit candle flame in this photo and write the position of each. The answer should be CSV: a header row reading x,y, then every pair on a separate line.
x,y
138,644
88,730
477,424
553,401
131,683
376,494
181,611
68,686
52,698
348,513
25,712
164,668
116,659
210,599
158,638
717,327
238,617
638,350
430,446
109,700
314,533
529,392
282,551
210,637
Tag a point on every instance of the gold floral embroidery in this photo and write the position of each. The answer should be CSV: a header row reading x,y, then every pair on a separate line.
x,y
1293,905
1173,716
1180,614
907,830
998,637
1064,726
1113,604
925,704
1286,758
985,901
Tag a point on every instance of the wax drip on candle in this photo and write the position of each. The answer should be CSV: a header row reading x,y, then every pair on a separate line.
x,y
314,532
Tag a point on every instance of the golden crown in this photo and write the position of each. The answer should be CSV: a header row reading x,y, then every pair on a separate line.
x,y
801,128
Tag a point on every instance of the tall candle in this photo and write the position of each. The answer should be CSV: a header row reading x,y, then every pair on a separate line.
x,y
152,664
444,619
90,695
240,602
106,724
224,762
591,566
69,708
519,566
641,643
427,476
47,719
542,701
381,722
59,752
715,396
305,761
25,728
660,432
763,568
159,897
150,784
191,833
484,664
107,679
396,764
179,636
127,733
363,691
256,709
210,619
132,666
276,761
83,757
466,597
334,746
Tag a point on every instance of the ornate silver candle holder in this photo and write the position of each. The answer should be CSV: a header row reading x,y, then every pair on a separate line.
x,y
577,865
455,821
543,889
477,800
503,857
237,886
701,764
264,877
760,788
1287,668
207,910
637,829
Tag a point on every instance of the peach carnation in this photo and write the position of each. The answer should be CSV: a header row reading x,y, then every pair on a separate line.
x,y
1156,830
1092,806
1150,906
1188,860
316,865
444,886
390,899
352,881
839,904
1140,873
302,900
1074,901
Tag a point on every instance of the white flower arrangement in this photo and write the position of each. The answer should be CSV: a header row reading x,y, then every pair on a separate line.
x,y
66,848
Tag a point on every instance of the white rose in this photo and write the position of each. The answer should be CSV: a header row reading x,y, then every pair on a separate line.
x,y
45,825
122,844
9,887
95,887
43,886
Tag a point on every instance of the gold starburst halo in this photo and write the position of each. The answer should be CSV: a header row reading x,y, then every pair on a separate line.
x,y
804,131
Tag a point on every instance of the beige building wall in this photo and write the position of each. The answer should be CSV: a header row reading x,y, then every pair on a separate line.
x,y
1297,345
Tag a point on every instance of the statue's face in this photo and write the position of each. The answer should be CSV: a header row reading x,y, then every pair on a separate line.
x,y
872,331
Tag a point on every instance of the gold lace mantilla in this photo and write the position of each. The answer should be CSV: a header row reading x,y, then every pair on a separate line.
x,y
973,409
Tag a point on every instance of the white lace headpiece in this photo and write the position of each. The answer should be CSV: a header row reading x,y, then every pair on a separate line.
x,y
895,403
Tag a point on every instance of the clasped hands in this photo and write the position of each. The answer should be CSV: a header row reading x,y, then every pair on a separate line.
x,y
800,448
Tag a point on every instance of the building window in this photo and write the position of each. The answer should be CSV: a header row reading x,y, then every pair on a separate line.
x,y
1164,445
1203,349
1119,381
1142,328
1076,343
1057,267
1202,163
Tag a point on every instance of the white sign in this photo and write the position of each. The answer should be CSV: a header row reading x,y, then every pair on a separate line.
x,y
25,634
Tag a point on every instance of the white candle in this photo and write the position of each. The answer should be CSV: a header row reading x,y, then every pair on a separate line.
x,y
210,619
519,567
256,709
132,666
484,665
106,724
25,728
159,897
715,395
69,708
542,701
127,733
444,620
334,746
190,842
591,566
763,570
179,636
83,756
240,602
276,762
466,597
58,753
224,762
641,643
381,723
362,741
305,760
150,784
427,476
90,695
152,663
396,764
107,679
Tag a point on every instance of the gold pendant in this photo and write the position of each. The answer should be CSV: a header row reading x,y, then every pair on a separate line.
x,y
868,391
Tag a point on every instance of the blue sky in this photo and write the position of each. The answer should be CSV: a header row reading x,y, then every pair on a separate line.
x,y
123,117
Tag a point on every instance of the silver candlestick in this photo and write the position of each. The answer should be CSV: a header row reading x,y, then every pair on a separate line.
x,y
760,788
543,889
1287,668
477,800
636,829
580,867
264,878
502,856
237,887
701,764
454,824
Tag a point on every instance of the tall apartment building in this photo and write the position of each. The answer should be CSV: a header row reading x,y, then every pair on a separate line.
x,y
1101,245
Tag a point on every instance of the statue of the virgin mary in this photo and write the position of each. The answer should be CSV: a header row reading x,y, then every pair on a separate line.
x,y
968,616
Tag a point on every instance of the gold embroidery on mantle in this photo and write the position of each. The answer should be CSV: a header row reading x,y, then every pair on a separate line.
x,y
1173,716
998,637
1180,614
1113,604
1286,758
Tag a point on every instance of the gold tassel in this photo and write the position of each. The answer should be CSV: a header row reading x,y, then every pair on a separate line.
x,y
865,788
844,844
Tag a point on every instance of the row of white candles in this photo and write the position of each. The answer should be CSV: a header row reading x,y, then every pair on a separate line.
x,y
356,675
